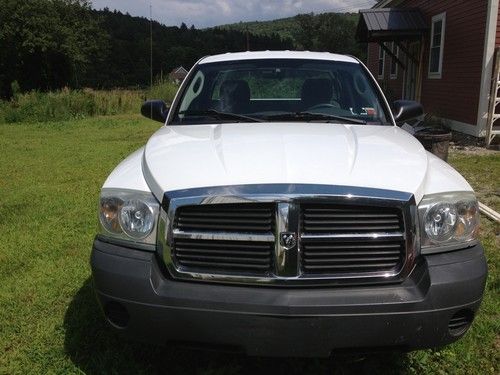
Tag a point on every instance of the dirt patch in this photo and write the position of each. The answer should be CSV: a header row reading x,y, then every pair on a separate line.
x,y
467,144
471,150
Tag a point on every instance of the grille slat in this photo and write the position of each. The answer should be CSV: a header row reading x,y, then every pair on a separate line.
x,y
227,244
352,259
224,248
200,252
333,240
345,215
225,266
363,246
350,219
338,258
311,254
211,238
226,217
342,221
350,267
243,214
349,211
350,228
223,259
235,220
218,256
223,227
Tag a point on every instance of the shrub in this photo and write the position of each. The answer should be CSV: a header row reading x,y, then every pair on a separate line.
x,y
164,90
67,104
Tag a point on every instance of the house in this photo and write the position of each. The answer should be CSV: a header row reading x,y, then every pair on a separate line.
x,y
178,74
440,53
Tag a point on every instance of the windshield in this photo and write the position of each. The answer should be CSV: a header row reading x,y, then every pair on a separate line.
x,y
280,90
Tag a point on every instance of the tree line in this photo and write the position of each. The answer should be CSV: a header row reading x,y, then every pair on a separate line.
x,y
50,44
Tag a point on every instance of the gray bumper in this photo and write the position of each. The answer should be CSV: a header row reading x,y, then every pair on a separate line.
x,y
143,303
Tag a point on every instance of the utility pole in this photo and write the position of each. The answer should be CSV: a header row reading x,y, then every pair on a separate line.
x,y
248,39
151,43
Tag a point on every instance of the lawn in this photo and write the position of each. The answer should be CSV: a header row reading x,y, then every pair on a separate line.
x,y
49,320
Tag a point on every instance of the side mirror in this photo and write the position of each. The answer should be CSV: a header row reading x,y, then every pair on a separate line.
x,y
403,110
155,110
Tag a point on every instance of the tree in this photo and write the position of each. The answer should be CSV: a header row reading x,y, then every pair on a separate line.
x,y
128,61
47,44
334,32
305,34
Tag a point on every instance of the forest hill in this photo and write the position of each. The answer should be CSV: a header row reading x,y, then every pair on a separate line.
x,y
47,45
50,44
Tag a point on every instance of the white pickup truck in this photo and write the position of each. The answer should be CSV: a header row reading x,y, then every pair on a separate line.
x,y
281,211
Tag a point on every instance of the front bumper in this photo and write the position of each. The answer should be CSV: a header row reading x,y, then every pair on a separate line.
x,y
140,301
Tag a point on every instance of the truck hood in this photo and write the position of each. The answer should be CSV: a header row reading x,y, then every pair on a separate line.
x,y
194,156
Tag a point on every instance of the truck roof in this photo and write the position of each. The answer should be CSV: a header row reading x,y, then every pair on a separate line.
x,y
257,55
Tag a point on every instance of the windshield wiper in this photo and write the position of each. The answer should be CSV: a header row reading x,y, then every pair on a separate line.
x,y
310,116
220,115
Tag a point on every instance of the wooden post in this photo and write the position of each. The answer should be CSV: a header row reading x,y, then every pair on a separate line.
x,y
420,72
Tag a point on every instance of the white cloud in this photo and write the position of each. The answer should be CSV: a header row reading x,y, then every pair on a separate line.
x,y
204,13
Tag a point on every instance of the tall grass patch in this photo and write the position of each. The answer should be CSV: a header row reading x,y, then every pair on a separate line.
x,y
162,89
67,104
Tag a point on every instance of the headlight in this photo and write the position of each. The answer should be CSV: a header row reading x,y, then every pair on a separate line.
x,y
128,215
448,221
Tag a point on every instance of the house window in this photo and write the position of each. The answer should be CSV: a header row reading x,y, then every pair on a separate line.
x,y
381,58
394,64
437,44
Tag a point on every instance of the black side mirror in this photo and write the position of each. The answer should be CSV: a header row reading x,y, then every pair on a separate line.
x,y
403,110
155,110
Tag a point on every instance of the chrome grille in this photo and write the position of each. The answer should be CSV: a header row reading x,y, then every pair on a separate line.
x,y
224,239
280,235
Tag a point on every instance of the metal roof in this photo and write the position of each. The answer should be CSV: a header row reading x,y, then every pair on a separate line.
x,y
387,24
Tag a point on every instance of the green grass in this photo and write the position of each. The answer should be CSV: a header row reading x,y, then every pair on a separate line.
x,y
49,319
483,173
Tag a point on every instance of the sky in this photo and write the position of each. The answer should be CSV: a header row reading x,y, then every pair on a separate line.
x,y
207,13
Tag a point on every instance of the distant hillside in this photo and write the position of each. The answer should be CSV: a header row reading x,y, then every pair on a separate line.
x,y
286,28
283,27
